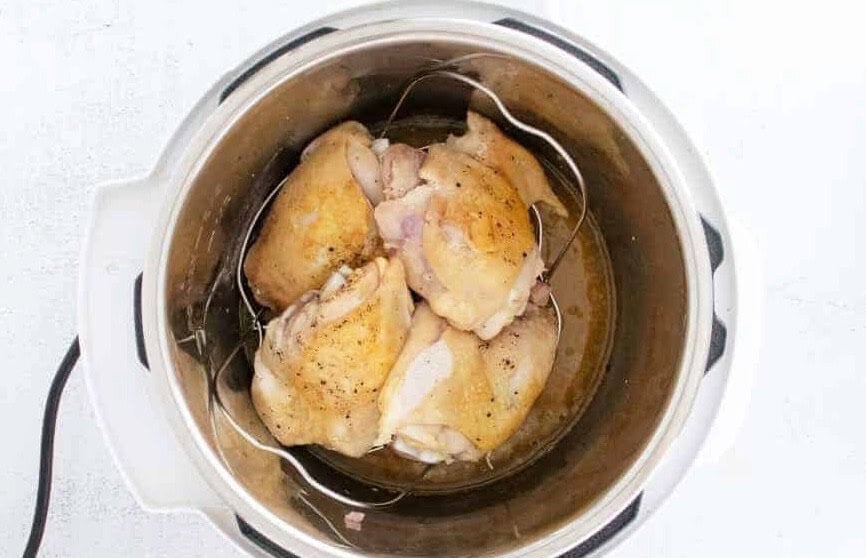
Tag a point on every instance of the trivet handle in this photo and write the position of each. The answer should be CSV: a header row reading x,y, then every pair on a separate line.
x,y
144,449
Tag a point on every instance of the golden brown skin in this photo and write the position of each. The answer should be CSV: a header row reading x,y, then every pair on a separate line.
x,y
486,142
495,234
453,396
471,250
321,219
322,364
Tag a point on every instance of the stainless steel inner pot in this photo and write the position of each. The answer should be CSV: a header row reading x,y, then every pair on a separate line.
x,y
659,266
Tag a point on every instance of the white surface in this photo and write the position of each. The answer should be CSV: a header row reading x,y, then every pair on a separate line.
x,y
773,95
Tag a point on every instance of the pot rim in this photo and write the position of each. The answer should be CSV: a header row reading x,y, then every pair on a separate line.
x,y
472,33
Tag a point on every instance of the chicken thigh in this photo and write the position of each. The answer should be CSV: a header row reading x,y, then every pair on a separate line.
x,y
321,219
465,238
486,142
452,396
323,361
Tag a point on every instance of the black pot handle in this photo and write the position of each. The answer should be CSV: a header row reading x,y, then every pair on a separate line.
x,y
261,541
719,333
139,325
271,56
572,49
508,22
606,533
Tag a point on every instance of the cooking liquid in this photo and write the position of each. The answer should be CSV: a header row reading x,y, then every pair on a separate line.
x,y
583,288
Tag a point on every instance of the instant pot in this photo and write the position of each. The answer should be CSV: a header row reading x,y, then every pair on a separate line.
x,y
159,304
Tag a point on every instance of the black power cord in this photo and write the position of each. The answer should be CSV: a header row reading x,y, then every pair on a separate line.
x,y
46,455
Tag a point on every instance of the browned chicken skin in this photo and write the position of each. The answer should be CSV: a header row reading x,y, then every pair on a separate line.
x,y
465,238
346,365
486,142
454,397
321,219
323,361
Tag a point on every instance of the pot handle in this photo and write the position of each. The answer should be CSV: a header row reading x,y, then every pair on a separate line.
x,y
153,465
613,527
303,36
271,53
741,347
578,52
719,332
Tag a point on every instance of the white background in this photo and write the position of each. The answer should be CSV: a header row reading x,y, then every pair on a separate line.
x,y
774,95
